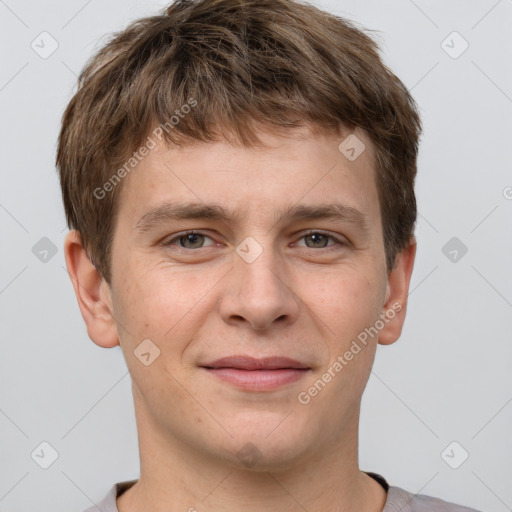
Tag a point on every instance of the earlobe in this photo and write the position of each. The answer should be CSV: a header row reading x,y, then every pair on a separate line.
x,y
397,291
92,293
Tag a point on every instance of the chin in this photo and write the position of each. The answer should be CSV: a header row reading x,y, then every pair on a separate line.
x,y
267,444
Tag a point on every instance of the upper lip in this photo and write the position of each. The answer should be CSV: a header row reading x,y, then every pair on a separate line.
x,y
242,362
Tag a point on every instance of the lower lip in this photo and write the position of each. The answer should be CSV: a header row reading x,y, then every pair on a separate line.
x,y
258,380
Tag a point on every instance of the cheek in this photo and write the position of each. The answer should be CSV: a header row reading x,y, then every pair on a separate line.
x,y
163,304
348,307
347,301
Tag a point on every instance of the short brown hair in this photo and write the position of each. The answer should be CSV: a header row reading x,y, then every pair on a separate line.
x,y
278,62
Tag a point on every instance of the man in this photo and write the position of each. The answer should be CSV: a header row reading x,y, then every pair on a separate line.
x,y
239,181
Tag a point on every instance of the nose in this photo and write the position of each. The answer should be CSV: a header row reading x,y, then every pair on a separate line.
x,y
257,293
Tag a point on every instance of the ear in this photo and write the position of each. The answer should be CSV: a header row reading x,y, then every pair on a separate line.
x,y
397,291
92,292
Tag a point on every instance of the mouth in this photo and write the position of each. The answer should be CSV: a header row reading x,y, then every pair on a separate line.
x,y
253,374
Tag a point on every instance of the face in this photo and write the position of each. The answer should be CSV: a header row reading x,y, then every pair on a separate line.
x,y
286,260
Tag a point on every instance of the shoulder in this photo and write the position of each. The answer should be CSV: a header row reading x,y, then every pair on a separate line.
x,y
401,500
108,503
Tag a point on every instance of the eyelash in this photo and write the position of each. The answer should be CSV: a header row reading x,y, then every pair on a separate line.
x,y
311,232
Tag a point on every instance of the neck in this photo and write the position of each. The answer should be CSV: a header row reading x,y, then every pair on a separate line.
x,y
177,477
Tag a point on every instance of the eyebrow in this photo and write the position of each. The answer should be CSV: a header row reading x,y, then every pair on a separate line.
x,y
169,212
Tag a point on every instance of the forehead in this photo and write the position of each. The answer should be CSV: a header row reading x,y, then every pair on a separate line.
x,y
301,168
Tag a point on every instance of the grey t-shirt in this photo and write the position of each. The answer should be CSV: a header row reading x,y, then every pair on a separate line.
x,y
398,500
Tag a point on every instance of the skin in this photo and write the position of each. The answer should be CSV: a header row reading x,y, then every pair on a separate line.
x,y
302,299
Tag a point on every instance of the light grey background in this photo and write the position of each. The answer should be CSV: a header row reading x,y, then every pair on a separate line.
x,y
447,379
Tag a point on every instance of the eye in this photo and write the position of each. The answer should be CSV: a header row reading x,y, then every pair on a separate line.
x,y
319,240
188,240
195,240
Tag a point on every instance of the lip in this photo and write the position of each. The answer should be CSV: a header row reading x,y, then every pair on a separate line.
x,y
242,362
251,374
